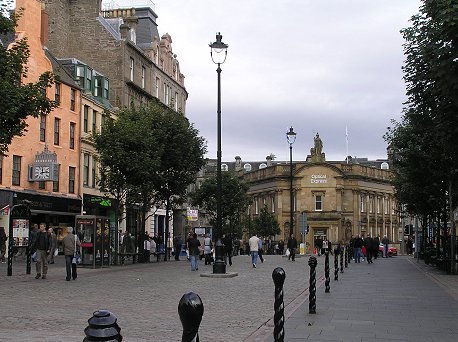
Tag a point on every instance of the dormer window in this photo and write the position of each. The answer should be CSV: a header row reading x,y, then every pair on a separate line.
x,y
224,167
247,167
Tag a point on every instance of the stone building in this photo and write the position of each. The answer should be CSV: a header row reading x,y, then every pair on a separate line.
x,y
338,199
124,45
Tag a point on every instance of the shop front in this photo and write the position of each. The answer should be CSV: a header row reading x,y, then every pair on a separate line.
x,y
56,212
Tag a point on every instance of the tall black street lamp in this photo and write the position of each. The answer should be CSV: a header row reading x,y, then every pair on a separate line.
x,y
291,138
218,54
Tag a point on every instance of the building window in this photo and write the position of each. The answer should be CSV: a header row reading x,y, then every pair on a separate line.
x,y
56,131
385,205
85,169
157,55
94,121
88,84
131,69
72,99
318,202
55,185
97,87
57,93
1,168
176,101
41,185
224,167
72,135
71,179
42,127
247,167
143,77
85,118
362,202
157,87
16,176
272,203
80,75
378,205
106,88
93,172
256,206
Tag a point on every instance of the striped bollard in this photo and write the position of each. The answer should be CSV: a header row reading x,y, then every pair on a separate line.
x,y
346,256
326,272
341,260
336,264
312,286
278,276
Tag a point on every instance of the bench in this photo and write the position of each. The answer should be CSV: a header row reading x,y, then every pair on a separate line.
x,y
125,255
158,254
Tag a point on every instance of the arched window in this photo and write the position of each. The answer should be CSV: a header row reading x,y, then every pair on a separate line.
x,y
247,167
224,167
262,166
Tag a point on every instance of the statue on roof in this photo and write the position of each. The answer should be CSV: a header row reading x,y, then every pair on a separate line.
x,y
316,152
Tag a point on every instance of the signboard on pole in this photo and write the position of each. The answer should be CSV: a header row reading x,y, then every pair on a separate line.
x,y
192,215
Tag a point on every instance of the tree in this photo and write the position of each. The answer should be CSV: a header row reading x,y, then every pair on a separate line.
x,y
18,99
266,224
234,200
149,156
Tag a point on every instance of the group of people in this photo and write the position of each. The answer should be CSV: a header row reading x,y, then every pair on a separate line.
x,y
368,247
195,249
44,246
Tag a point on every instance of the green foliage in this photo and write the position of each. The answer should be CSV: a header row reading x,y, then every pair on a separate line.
x,y
148,156
265,224
234,200
18,99
423,144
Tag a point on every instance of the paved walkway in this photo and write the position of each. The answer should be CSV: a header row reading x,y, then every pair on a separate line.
x,y
395,299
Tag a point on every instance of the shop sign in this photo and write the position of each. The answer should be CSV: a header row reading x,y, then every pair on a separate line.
x,y
318,179
192,215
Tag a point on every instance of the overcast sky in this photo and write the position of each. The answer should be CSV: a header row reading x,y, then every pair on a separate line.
x,y
319,66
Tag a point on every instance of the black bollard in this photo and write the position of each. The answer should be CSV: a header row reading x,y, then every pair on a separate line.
x,y
336,264
312,286
326,272
341,260
345,256
349,254
278,276
102,327
191,310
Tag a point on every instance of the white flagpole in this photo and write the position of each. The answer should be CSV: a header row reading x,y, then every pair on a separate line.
x,y
346,142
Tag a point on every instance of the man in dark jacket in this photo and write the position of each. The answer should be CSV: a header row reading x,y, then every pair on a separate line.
x,y
369,244
292,245
227,241
375,245
42,249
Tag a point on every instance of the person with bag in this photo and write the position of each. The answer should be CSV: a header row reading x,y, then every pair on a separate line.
x,y
42,250
72,250
52,246
292,245
207,249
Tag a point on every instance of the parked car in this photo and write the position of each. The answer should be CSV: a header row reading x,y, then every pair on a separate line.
x,y
391,250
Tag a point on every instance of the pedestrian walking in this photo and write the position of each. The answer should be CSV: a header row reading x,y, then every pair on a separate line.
x,y
281,247
325,245
385,242
147,248
194,252
207,249
71,244
260,251
227,241
177,247
319,245
52,245
292,245
357,246
368,243
3,239
42,250
253,242
375,245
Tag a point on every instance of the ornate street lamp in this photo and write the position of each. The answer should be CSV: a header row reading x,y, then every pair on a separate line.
x,y
291,138
218,54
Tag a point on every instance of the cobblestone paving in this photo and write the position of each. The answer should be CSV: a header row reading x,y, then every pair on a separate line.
x,y
145,298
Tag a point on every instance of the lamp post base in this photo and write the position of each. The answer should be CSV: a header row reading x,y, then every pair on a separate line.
x,y
219,266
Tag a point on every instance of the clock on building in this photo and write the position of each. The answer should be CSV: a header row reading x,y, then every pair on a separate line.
x,y
42,172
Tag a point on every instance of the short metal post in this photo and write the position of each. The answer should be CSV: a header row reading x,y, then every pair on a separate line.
x,y
336,264
326,272
312,286
191,310
278,276
102,327
349,254
341,260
